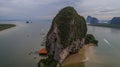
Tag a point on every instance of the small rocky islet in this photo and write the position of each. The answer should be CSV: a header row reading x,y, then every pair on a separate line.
x,y
66,36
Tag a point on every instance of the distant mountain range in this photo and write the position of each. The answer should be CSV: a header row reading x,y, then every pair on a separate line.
x,y
94,20
115,20
113,23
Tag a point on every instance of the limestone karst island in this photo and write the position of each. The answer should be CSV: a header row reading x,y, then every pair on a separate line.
x,y
66,37
59,33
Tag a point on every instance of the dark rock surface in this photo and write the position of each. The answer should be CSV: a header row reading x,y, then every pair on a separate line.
x,y
66,35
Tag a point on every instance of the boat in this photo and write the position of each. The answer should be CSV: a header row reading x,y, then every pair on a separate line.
x,y
27,21
43,51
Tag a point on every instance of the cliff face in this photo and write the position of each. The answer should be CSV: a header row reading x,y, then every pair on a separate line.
x,y
66,34
115,20
92,20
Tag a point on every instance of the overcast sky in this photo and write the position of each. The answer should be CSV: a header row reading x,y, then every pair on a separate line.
x,y
47,9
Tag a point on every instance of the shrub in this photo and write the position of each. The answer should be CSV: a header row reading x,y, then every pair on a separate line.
x,y
90,39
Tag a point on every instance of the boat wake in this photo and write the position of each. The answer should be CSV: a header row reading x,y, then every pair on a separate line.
x,y
108,43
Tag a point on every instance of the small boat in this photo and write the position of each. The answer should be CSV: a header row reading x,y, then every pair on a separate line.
x,y
27,21
43,51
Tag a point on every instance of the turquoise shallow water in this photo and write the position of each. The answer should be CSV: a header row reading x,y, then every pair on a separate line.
x,y
17,44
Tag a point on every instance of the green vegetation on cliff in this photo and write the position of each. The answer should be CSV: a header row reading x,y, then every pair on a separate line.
x,y
6,26
90,39
68,29
49,62
69,22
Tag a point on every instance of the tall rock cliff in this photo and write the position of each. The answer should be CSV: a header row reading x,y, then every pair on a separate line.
x,y
66,34
92,20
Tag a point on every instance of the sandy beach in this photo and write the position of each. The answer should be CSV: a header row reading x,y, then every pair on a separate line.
x,y
78,59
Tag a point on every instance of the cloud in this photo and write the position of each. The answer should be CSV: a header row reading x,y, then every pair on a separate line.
x,y
99,8
32,8
24,8
37,9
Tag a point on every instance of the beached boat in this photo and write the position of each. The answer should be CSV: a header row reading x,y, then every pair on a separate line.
x,y
43,51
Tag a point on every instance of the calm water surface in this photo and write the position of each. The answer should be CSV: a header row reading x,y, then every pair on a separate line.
x,y
107,54
17,43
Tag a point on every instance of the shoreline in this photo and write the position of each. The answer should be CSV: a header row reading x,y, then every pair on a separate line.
x,y
105,25
6,26
78,59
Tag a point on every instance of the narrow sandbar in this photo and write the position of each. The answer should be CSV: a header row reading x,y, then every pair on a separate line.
x,y
6,26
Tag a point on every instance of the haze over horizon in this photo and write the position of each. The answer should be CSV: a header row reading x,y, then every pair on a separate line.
x,y
47,9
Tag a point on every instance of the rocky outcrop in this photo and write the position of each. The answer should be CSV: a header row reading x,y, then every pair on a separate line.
x,y
66,35
115,20
92,20
88,19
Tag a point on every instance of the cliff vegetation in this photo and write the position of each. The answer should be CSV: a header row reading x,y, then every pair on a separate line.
x,y
66,36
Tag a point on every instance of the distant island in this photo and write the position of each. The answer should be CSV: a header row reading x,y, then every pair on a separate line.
x,y
67,35
92,20
6,26
113,23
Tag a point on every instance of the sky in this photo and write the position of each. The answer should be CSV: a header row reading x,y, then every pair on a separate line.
x,y
47,9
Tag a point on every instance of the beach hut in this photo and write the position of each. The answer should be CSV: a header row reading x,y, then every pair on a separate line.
x,y
43,51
